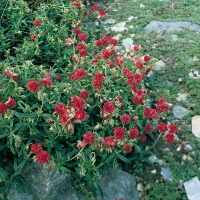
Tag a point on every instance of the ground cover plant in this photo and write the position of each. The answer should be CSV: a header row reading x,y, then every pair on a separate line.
x,y
178,57
68,100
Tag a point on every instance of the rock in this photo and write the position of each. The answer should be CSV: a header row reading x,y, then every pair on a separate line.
x,y
183,97
40,183
128,44
192,188
142,5
140,188
131,26
120,24
194,74
174,38
153,171
187,157
169,83
188,147
119,29
118,185
159,65
167,174
130,18
154,159
132,35
160,27
179,112
179,147
196,126
108,21
180,79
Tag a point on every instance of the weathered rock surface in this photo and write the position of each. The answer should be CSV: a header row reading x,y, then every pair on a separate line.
x,y
160,27
196,125
192,188
159,65
179,112
40,183
128,44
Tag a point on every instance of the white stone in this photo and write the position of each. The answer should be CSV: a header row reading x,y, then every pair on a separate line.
x,y
140,187
196,126
128,44
192,188
180,79
120,24
130,18
119,29
183,96
154,159
179,148
153,171
131,26
142,5
108,21
159,65
188,147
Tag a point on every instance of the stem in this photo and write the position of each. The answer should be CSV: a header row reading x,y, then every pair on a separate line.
x,y
155,141
75,155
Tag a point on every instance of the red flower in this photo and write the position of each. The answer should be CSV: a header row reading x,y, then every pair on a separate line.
x,y
68,42
138,99
105,115
119,133
139,64
43,157
143,137
81,144
162,127
133,133
106,54
14,77
85,13
119,62
125,118
60,109
172,128
101,14
162,106
77,74
148,129
3,108
83,52
169,138
77,31
99,76
136,48
88,138
109,142
94,7
97,84
113,41
150,113
108,107
11,103
47,82
84,94
77,102
80,115
75,58
127,148
82,37
33,37
37,22
33,86
36,148
58,77
147,58
80,46
79,23
76,4
65,118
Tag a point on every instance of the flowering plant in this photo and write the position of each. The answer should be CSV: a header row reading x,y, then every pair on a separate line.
x,y
68,99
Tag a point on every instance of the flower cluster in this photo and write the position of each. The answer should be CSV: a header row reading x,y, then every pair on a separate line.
x,y
10,74
8,105
42,156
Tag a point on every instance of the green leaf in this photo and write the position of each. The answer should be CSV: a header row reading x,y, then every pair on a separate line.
x,y
100,190
124,159
3,135
110,158
65,169
3,174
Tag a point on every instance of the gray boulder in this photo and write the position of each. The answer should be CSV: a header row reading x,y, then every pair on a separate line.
x,y
179,112
40,183
160,27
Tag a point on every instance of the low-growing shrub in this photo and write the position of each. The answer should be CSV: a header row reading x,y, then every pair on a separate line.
x,y
68,100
